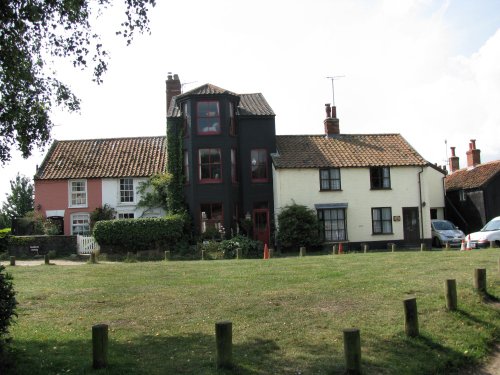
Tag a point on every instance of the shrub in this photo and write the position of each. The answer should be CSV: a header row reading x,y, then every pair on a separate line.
x,y
140,234
7,304
105,212
298,226
4,239
227,249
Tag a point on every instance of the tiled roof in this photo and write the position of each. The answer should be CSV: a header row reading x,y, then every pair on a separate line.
x,y
254,105
472,178
344,150
100,158
250,104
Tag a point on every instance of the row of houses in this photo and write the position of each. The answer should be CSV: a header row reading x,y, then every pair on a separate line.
x,y
365,188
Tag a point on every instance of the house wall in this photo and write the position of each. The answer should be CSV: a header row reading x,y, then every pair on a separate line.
x,y
492,198
433,188
53,195
111,196
302,186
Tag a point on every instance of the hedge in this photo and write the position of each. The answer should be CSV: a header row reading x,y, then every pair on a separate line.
x,y
120,236
4,239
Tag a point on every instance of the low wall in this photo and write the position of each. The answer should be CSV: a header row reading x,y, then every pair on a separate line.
x,y
29,246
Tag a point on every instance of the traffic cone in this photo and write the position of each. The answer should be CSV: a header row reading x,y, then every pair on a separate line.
x,y
266,251
462,246
341,248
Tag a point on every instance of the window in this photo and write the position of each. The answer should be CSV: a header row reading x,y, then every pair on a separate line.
x,y
208,117
211,216
380,178
234,172
186,167
382,220
232,121
80,224
186,117
210,165
462,196
126,215
126,190
333,225
78,193
258,159
329,179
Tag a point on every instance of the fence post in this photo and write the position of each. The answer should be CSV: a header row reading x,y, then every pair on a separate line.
x,y
46,258
202,254
334,249
480,280
167,254
422,246
411,317
365,248
93,258
238,253
447,246
352,351
450,293
99,346
302,251
12,260
393,247
224,344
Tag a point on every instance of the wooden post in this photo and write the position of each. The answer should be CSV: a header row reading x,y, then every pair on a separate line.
x,y
93,258
352,351
12,260
271,252
238,253
224,344
46,258
365,248
499,265
393,247
302,251
422,246
99,346
202,254
492,244
480,280
334,249
167,254
450,293
411,317
447,245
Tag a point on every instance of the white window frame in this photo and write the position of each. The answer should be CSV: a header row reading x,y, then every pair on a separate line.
x,y
120,191
121,215
71,193
80,215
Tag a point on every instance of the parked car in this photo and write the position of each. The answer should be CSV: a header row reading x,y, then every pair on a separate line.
x,y
444,231
490,232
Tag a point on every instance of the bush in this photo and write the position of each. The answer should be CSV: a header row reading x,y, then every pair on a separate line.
x,y
140,234
227,249
7,304
298,226
4,239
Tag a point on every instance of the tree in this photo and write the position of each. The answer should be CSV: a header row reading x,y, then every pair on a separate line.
x,y
7,304
298,226
31,33
105,212
20,200
154,191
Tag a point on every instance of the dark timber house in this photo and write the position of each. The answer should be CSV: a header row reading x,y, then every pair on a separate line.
x,y
227,139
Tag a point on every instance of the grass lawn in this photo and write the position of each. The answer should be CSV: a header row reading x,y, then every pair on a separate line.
x,y
288,314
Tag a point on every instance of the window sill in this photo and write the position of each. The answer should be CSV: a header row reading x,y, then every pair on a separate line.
x,y
82,206
383,234
380,188
326,190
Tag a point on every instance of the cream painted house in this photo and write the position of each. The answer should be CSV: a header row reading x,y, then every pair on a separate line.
x,y
370,189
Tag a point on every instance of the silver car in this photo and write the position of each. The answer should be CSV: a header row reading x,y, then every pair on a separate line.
x,y
444,231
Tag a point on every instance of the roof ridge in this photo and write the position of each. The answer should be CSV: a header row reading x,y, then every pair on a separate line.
x,y
108,139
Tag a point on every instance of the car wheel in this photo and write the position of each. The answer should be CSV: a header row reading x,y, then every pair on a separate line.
x,y
436,243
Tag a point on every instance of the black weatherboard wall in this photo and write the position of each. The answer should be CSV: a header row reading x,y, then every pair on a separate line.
x,y
222,160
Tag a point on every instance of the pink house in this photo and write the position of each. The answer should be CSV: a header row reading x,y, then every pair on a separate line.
x,y
78,176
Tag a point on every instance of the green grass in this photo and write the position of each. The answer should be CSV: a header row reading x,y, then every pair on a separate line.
x,y
287,314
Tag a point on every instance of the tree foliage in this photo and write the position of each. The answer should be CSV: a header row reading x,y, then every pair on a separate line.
x,y
154,191
20,200
298,226
175,190
34,32
7,303
105,212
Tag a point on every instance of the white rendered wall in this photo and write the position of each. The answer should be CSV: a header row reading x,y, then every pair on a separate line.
x,y
302,187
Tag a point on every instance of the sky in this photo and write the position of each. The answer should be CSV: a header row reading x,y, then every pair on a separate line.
x,y
426,69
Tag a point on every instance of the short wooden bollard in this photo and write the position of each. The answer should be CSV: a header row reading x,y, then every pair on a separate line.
x,y
498,264
12,261
238,254
365,249
447,246
202,254
99,346
167,254
480,280
271,252
493,244
334,249
450,293
422,246
46,258
411,317
302,251
393,247
93,258
224,344
352,351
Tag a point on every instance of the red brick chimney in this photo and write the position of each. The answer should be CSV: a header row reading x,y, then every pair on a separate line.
x,y
331,122
453,161
473,155
174,87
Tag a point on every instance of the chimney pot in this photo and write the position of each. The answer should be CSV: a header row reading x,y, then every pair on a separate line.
x,y
453,161
452,151
473,143
328,110
473,155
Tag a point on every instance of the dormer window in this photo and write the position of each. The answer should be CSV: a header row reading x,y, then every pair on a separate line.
x,y
208,117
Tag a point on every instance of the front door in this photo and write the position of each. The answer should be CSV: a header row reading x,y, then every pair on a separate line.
x,y
261,228
411,225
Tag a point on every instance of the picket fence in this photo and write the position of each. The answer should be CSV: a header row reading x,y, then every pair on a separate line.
x,y
87,245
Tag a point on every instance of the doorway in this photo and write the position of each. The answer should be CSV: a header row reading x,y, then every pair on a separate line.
x,y
411,225
261,227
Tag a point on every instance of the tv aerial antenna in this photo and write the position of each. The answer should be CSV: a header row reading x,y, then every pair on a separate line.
x,y
333,78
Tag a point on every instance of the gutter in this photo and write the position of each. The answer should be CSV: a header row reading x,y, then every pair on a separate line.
x,y
420,201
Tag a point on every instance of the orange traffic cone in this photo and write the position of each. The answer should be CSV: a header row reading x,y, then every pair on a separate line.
x,y
266,251
341,248
462,246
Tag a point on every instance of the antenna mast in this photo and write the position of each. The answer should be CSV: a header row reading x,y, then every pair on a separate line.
x,y
333,78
